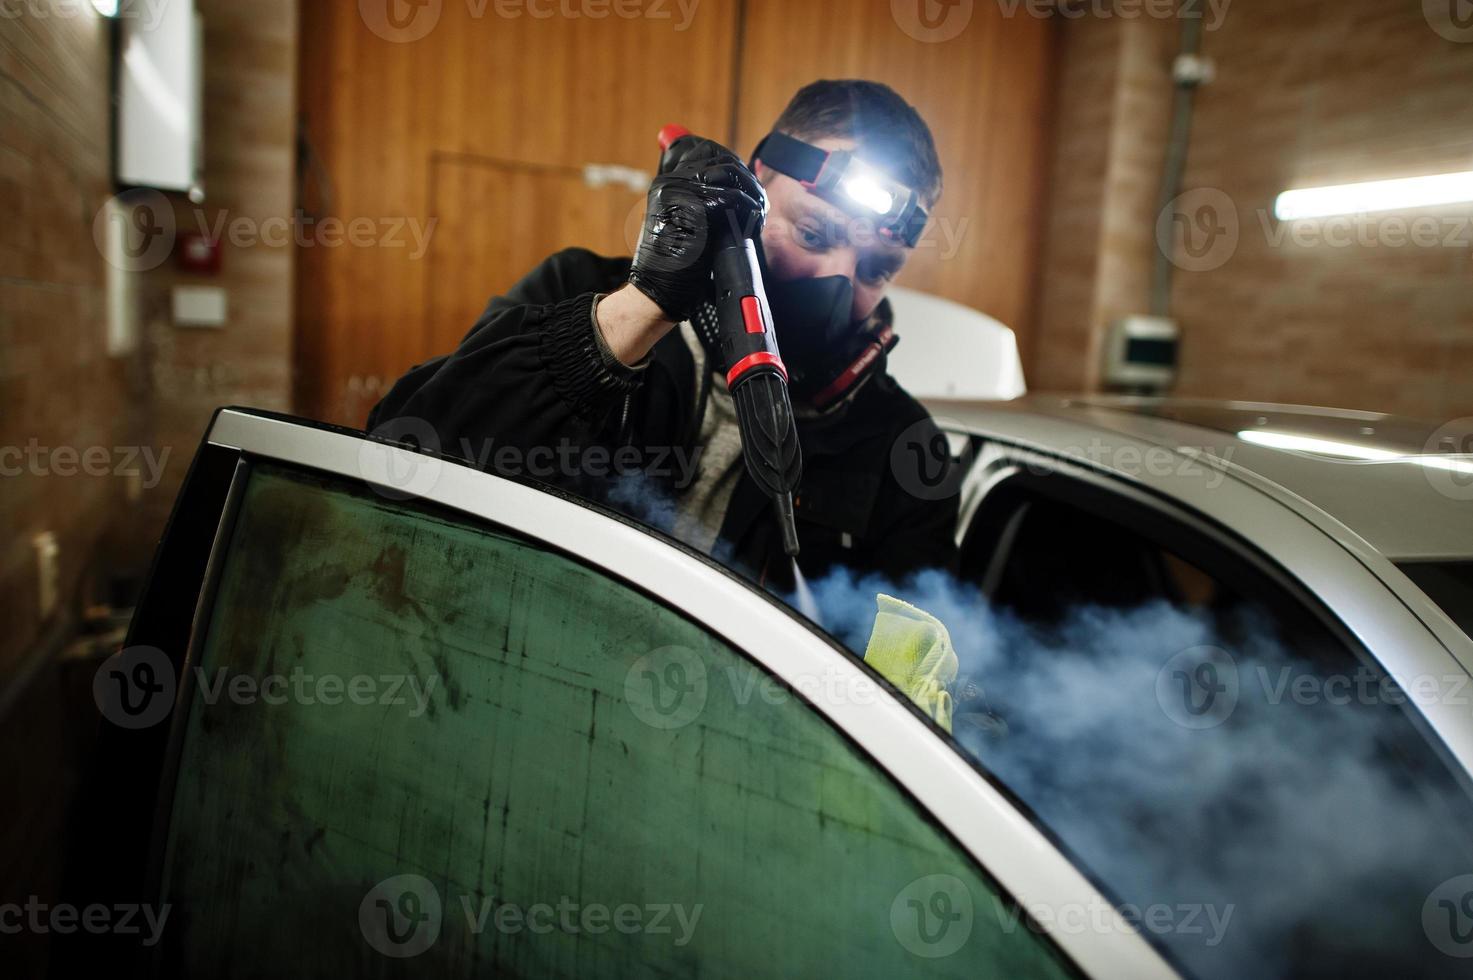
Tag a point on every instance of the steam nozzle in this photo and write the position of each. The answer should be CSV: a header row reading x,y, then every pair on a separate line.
x,y
788,523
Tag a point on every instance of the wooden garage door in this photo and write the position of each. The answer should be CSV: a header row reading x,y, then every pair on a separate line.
x,y
410,128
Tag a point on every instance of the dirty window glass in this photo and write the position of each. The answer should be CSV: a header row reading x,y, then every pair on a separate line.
x,y
417,746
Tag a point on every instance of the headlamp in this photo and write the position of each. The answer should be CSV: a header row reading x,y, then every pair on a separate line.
x,y
842,179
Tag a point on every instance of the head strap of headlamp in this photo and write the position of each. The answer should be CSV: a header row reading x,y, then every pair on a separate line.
x,y
826,173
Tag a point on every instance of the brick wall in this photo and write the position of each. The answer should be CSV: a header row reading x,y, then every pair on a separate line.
x,y
1110,130
59,391
1315,93
59,388
1308,93
250,154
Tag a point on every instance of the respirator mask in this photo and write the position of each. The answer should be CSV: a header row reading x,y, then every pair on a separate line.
x,y
827,354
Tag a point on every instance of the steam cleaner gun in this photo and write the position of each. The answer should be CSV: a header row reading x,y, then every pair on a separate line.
x,y
755,373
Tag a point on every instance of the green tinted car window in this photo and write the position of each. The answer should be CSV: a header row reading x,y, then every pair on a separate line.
x,y
415,744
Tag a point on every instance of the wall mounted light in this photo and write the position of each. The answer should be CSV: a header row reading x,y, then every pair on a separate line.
x,y
1377,195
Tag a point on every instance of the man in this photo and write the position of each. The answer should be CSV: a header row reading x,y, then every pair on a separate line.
x,y
604,359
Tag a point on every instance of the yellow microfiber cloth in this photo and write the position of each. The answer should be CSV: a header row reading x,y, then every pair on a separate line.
x,y
912,650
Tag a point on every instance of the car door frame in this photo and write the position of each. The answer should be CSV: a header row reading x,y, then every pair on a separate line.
x,y
1346,581
1055,897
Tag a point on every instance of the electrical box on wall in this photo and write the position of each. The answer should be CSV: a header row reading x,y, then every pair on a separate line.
x,y
1141,353
200,306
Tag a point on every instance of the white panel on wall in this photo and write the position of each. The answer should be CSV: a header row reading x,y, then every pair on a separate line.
x,y
160,98
200,306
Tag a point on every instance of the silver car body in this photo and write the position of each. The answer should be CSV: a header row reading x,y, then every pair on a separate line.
x,y
1349,496
1338,544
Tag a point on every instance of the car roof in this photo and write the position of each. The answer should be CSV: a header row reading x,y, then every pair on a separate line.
x,y
1394,481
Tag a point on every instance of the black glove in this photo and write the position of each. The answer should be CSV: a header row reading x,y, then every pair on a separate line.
x,y
700,184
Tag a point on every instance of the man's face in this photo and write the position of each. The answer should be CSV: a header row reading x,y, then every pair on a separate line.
x,y
807,238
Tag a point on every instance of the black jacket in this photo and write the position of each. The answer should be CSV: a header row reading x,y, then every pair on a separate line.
x,y
530,374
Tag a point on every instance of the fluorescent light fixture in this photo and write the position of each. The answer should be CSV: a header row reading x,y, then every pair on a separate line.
x,y
107,8
1349,450
869,193
1378,195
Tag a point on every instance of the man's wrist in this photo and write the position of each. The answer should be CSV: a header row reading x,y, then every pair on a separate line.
x,y
630,324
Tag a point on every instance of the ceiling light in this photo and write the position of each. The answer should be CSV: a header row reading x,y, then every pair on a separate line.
x,y
1379,195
